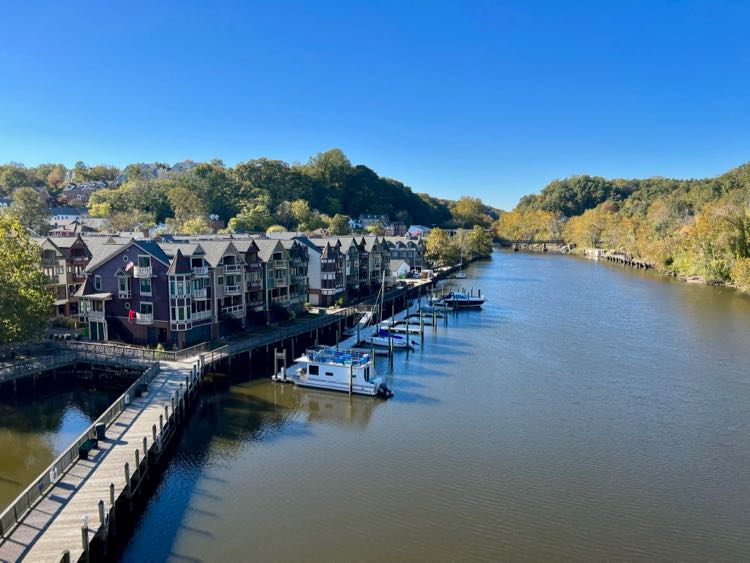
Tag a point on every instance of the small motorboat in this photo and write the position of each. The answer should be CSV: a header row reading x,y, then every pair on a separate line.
x,y
460,300
387,339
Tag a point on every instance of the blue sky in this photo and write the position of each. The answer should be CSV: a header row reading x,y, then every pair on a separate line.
x,y
493,99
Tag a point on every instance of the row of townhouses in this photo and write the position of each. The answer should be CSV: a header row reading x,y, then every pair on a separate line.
x,y
180,291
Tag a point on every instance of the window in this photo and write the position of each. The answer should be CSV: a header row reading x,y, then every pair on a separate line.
x,y
314,370
147,308
144,261
329,373
97,282
367,373
221,280
145,286
124,258
122,284
127,305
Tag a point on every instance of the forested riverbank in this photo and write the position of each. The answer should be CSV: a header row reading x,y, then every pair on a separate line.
x,y
697,229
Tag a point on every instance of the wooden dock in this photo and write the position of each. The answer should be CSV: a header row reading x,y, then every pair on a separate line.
x,y
53,524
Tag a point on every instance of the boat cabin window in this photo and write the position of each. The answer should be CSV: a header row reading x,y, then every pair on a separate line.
x,y
314,370
367,373
329,373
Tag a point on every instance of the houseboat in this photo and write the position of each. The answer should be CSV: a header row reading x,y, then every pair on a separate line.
x,y
323,367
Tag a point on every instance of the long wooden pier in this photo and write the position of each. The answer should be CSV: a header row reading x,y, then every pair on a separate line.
x,y
77,504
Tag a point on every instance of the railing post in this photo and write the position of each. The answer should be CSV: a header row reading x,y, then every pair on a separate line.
x,y
85,537
128,484
101,512
145,455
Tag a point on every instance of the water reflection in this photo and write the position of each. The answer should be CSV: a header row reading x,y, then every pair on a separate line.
x,y
34,430
587,412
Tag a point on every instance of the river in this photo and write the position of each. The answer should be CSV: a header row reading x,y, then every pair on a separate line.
x,y
35,430
587,412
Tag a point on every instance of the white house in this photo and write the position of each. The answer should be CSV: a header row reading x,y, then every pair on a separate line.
x,y
399,269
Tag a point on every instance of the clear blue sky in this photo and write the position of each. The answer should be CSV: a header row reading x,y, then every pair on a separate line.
x,y
493,99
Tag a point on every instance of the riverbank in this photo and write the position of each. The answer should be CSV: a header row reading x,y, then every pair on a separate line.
x,y
625,259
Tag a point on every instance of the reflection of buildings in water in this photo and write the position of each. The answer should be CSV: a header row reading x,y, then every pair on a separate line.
x,y
337,408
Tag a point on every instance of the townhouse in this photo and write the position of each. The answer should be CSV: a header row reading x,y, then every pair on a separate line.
x,y
63,262
410,250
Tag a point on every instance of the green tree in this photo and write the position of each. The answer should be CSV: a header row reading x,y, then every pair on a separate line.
x,y
185,204
14,176
479,243
469,211
252,218
275,229
440,250
339,225
28,207
24,303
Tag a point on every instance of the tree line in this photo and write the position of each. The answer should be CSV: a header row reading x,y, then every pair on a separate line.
x,y
252,196
695,227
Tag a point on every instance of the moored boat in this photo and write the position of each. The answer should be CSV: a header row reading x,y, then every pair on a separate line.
x,y
349,371
460,300
387,339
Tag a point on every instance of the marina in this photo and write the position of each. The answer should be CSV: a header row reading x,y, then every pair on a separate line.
x,y
489,450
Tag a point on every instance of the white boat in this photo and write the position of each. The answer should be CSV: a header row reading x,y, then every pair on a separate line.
x,y
323,367
460,276
363,322
401,327
385,338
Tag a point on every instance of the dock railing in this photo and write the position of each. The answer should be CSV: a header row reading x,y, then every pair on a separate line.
x,y
32,365
119,351
36,490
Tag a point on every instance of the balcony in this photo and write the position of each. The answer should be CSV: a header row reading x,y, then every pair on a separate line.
x,y
181,325
237,311
255,304
123,295
254,266
229,268
79,259
96,316
254,285
232,289
142,272
200,293
201,315
280,264
200,270
144,318
78,278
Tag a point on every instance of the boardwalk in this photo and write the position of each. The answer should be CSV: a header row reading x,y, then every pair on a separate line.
x,y
54,523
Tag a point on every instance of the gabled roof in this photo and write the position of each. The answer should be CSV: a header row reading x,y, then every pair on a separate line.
x,y
308,243
186,248
180,264
266,248
216,249
104,252
243,245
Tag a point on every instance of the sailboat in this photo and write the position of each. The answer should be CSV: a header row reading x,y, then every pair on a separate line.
x,y
461,275
384,335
